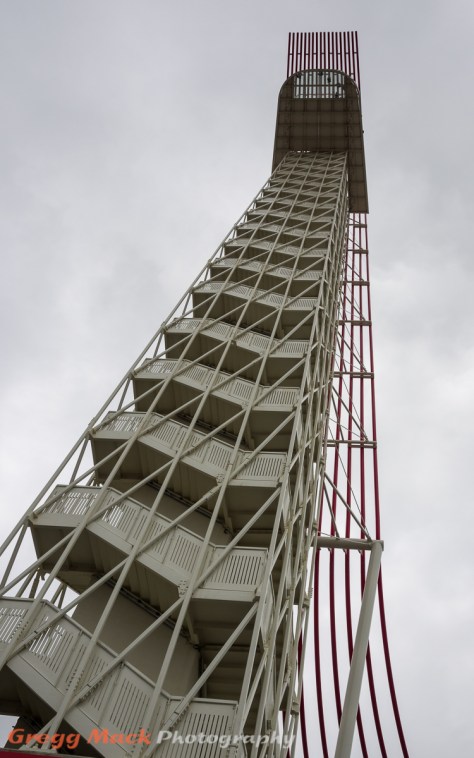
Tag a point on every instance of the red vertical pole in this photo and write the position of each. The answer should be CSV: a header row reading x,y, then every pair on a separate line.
x,y
346,53
357,59
350,286
288,56
349,55
353,61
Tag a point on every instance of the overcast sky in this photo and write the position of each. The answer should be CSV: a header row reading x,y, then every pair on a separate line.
x,y
133,134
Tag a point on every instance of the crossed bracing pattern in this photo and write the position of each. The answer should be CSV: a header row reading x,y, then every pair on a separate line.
x,y
191,497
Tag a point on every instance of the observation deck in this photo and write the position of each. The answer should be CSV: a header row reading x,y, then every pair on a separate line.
x,y
319,110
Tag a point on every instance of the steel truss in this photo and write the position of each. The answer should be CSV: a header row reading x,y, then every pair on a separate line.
x,y
178,546
219,428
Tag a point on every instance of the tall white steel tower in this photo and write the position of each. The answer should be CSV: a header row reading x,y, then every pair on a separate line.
x,y
173,569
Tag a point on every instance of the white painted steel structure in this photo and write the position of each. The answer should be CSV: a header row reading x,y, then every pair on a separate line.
x,y
173,571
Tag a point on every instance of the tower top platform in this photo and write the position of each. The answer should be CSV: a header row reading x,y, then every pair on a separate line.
x,y
319,110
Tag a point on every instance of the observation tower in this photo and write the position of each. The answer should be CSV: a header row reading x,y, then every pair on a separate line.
x,y
168,577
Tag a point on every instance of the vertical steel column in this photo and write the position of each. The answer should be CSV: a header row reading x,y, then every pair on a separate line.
x,y
354,683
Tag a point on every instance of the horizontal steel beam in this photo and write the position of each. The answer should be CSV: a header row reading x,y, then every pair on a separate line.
x,y
344,543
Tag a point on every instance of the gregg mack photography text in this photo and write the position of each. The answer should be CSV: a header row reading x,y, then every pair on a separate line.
x,y
142,737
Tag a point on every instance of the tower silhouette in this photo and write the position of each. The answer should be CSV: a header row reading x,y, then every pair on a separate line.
x,y
167,607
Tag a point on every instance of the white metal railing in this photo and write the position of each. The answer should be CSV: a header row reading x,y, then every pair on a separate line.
x,y
234,388
321,84
252,340
280,271
313,248
168,436
240,570
257,296
279,247
47,667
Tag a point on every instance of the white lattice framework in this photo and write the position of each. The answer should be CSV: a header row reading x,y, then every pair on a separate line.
x,y
192,498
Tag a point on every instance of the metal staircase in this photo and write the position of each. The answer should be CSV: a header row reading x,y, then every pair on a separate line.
x,y
171,576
